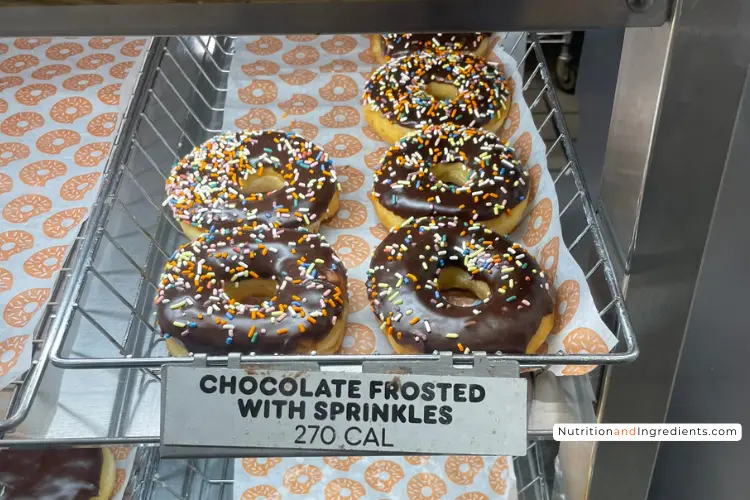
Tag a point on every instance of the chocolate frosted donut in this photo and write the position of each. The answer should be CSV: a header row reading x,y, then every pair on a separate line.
x,y
416,264
271,177
391,45
70,474
253,290
451,171
424,89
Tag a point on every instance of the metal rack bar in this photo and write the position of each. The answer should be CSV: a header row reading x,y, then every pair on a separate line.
x,y
236,17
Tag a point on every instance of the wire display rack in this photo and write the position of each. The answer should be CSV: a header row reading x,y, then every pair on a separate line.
x,y
104,321
212,478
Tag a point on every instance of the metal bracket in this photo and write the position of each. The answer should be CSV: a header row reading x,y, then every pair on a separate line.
x,y
482,367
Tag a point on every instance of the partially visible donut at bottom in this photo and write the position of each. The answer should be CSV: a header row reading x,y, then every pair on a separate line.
x,y
253,289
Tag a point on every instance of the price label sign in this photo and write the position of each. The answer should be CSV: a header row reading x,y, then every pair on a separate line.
x,y
223,407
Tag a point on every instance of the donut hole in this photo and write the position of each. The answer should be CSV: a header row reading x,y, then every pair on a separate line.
x,y
458,288
268,182
454,174
442,91
251,291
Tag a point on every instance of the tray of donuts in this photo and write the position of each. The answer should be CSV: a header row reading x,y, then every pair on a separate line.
x,y
374,195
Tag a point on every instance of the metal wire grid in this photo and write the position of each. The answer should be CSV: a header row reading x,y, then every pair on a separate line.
x,y
107,298
212,478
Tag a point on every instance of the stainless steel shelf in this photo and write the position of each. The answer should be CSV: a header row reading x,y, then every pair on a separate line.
x,y
194,17
213,478
97,376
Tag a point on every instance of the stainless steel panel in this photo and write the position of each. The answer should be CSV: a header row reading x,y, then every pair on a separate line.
x,y
145,17
675,112
710,385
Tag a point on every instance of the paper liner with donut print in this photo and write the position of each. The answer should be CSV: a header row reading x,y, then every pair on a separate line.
x,y
56,132
377,477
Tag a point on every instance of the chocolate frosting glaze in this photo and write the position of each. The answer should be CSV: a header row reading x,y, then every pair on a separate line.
x,y
400,44
405,184
398,89
70,474
403,288
205,188
194,307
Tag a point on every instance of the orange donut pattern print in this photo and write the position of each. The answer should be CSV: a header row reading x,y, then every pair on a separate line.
x,y
6,280
259,92
120,476
70,109
264,46
79,83
259,466
366,57
10,352
343,146
339,66
121,70
3,49
133,49
92,154
51,71
341,463
522,148
535,177
120,452
301,38
299,104
302,129
417,459
357,292
567,299
45,263
351,214
335,490
19,63
371,134
3,106
105,42
14,242
539,222
261,492
41,172
372,160
6,183
498,472
359,339
340,88
548,259
379,231
75,188
20,123
56,141
102,125
26,206
300,478
33,94
260,67
7,82
31,43
339,44
583,341
62,51
462,469
12,151
350,179
60,224
256,119
299,77
340,117
511,124
426,486
383,475
94,61
302,55
20,309
352,250
110,94
473,495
